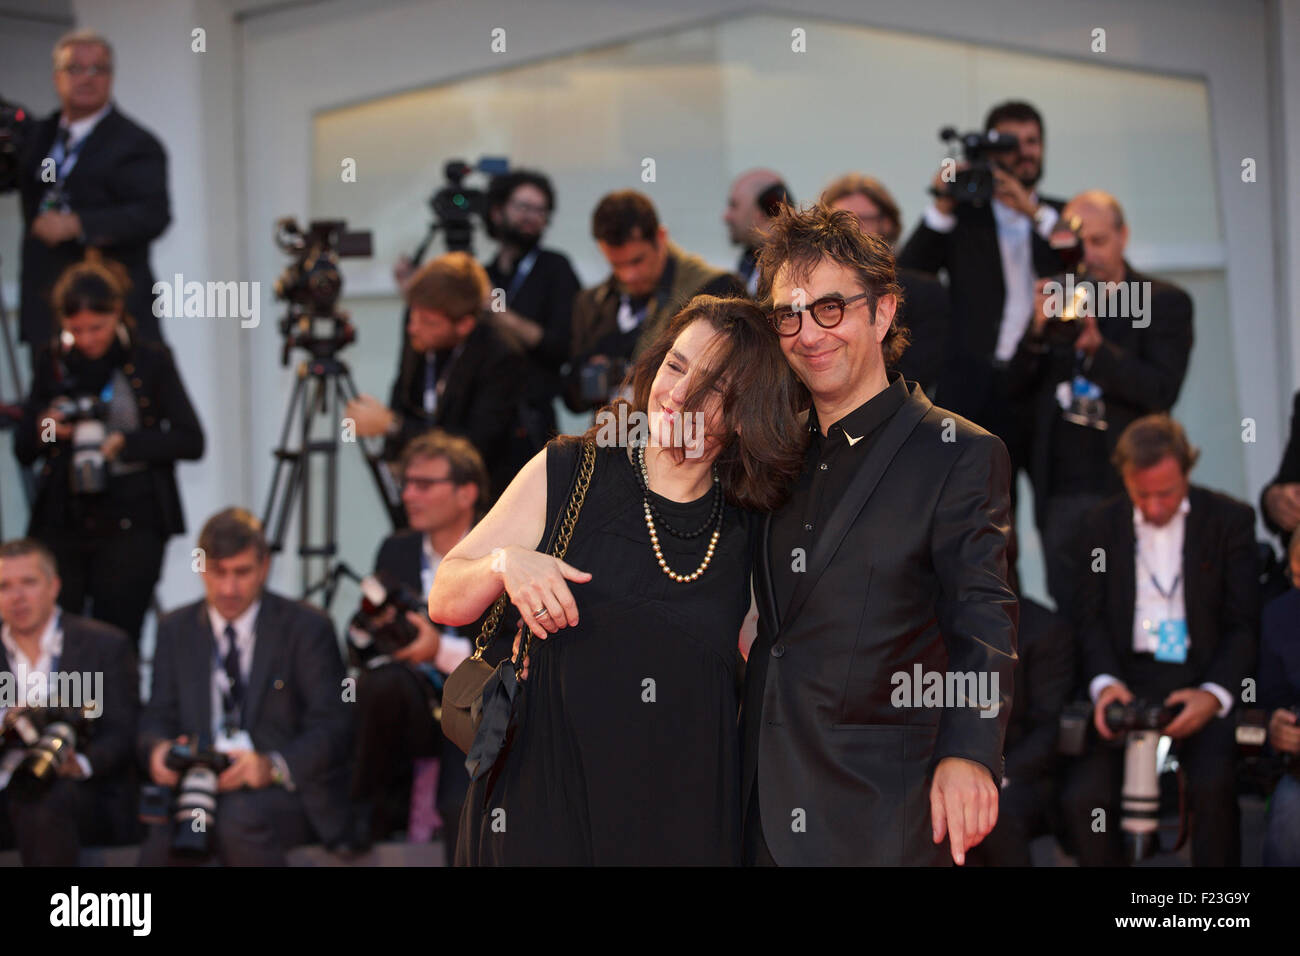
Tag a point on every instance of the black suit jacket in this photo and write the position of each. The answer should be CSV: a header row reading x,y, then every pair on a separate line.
x,y
294,702
118,188
90,647
910,569
1288,471
1139,370
973,260
925,315
479,402
1221,588
1044,681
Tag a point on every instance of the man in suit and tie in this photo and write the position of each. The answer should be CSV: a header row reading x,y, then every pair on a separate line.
x,y
444,485
1168,612
1085,381
92,802
261,677
885,573
90,177
458,375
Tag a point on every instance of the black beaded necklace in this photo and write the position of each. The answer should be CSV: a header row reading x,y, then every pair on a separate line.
x,y
642,479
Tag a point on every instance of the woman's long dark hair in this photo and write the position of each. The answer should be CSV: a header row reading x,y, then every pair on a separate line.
x,y
765,439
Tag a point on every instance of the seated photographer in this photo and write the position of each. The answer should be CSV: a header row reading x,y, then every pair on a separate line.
x,y
458,374
1279,691
60,668
249,686
1167,614
444,485
110,417
1087,373
651,279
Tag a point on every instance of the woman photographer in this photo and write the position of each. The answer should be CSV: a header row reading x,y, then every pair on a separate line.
x,y
109,417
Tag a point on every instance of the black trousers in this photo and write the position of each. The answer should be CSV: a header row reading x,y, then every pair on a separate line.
x,y
115,571
252,828
753,844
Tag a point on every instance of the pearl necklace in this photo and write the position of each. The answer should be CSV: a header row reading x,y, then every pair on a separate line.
x,y
654,535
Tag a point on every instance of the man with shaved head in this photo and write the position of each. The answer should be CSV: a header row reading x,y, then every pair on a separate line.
x,y
754,199
1105,347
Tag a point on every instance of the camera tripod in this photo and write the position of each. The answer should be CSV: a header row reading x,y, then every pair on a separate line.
x,y
323,387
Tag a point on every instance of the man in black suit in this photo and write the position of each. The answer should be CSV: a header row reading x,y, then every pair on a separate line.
x,y
444,485
1280,501
260,677
924,309
1123,356
76,663
992,253
887,567
90,177
1167,612
458,374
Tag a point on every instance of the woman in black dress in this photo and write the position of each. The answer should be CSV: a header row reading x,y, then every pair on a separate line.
x,y
626,750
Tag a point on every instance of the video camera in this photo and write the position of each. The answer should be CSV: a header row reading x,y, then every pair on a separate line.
x,y
311,284
37,742
14,125
454,205
974,185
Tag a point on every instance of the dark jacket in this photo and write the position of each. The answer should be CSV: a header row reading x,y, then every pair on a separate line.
x,y
1044,681
910,569
169,431
1279,652
925,316
1139,370
1221,588
1288,471
294,703
118,188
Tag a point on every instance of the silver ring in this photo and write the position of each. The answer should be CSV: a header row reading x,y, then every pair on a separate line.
x,y
541,612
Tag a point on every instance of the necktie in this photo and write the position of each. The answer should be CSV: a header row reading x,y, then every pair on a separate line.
x,y
232,671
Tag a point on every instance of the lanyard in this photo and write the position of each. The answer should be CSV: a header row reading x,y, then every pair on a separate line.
x,y
1168,596
521,273
64,160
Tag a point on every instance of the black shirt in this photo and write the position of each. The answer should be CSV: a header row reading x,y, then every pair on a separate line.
x,y
829,466
544,295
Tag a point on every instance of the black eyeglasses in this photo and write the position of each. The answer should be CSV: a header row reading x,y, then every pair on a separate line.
x,y
94,69
828,312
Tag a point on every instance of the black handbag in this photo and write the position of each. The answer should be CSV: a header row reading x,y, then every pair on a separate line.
x,y
478,700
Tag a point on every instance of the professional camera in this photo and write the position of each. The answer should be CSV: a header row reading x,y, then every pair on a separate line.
x,y
974,185
455,204
192,807
312,282
88,416
380,626
599,382
1142,722
14,124
37,742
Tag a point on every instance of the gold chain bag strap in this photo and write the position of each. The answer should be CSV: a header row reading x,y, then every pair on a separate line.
x,y
478,699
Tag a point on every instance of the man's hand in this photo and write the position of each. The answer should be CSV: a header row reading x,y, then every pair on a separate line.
x,y
248,768
939,187
1012,192
424,648
1283,734
1108,695
1040,317
71,767
158,770
1282,502
55,227
1199,707
373,418
112,446
1089,339
963,804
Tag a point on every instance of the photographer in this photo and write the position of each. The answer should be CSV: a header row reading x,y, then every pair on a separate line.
x,y
1279,691
444,486
109,190
110,417
992,253
1089,378
258,679
91,801
1170,617
458,375
651,280
753,200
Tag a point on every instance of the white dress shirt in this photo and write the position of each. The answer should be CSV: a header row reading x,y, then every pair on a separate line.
x,y
1015,243
32,677
452,648
1158,554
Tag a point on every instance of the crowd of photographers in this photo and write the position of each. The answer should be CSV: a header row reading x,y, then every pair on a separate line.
x,y
256,736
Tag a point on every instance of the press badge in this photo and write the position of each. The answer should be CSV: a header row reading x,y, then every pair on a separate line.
x,y
1171,641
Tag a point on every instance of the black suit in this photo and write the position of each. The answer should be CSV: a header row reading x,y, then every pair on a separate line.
x,y
479,401
102,810
1221,589
1288,471
294,706
910,568
925,315
118,188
